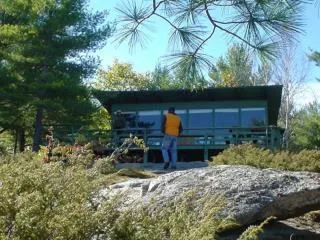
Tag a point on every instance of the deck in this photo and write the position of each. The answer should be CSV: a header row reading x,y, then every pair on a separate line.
x,y
204,139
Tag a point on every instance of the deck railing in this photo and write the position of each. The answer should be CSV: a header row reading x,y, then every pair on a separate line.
x,y
192,138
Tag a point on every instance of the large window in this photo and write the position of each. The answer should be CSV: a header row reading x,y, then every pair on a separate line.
x,y
149,119
200,118
224,117
127,119
253,117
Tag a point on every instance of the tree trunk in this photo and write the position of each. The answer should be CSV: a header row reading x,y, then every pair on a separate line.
x,y
37,130
15,142
21,139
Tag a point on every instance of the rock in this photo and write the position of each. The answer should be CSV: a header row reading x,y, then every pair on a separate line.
x,y
252,194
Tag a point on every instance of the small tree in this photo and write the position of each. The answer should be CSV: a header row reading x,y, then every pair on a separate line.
x,y
292,75
306,127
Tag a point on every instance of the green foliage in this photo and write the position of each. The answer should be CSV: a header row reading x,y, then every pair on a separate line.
x,y
105,166
52,201
192,216
45,60
236,69
245,154
258,24
315,57
248,154
49,201
306,127
121,77
253,232
100,120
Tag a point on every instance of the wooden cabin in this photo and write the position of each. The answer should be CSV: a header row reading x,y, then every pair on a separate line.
x,y
212,119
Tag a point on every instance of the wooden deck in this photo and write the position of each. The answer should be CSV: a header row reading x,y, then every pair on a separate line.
x,y
204,139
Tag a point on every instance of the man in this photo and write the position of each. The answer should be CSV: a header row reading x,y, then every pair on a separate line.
x,y
172,128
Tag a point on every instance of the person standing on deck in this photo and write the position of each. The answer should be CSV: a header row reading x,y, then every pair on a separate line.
x,y
171,128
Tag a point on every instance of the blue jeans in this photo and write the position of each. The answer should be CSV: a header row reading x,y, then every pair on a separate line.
x,y
169,144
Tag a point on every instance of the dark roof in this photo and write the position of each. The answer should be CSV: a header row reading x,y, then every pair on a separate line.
x,y
270,93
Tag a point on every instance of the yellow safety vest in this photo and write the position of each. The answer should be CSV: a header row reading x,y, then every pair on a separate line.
x,y
172,124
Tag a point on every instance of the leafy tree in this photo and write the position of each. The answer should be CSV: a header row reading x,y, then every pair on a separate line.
x,y
306,127
186,79
237,69
50,42
161,79
121,77
259,24
291,74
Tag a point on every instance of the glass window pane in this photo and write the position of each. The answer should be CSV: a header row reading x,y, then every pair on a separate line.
x,y
200,118
253,117
129,120
226,117
149,119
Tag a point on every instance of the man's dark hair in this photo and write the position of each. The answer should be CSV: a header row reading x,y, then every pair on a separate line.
x,y
171,110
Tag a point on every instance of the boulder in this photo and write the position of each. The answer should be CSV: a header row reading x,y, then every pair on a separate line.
x,y
252,194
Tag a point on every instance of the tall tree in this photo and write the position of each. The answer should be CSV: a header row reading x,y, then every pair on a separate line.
x,y
233,70
237,69
291,73
51,55
259,24
121,77
161,79
306,127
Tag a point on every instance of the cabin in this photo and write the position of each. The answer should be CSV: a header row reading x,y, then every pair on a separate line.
x,y
212,119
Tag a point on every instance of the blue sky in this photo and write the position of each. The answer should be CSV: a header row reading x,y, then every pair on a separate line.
x,y
146,59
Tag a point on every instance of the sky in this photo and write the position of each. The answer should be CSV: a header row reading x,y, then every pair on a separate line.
x,y
145,59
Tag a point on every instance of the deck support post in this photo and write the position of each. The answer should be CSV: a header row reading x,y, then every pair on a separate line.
x,y
145,140
206,151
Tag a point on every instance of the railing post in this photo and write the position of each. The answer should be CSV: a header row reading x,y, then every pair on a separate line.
x,y
206,151
145,154
267,137
272,137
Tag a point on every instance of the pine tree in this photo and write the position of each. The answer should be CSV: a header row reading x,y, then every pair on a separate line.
x,y
51,42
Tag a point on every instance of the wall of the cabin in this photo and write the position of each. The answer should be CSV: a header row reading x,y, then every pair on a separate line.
x,y
198,114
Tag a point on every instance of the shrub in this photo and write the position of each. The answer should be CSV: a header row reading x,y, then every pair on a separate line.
x,y
245,154
105,166
248,154
307,160
50,201
253,232
82,156
191,216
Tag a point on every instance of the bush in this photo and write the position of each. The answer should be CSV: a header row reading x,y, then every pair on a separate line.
x,y
74,155
192,216
105,166
50,201
249,154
